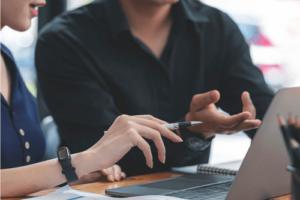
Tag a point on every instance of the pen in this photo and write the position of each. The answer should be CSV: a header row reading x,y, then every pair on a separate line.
x,y
174,126
177,125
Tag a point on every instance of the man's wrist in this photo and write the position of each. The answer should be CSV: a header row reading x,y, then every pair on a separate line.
x,y
188,117
195,141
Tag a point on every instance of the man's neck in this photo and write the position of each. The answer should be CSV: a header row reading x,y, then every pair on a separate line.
x,y
146,19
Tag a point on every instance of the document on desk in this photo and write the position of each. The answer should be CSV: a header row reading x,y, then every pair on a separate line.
x,y
67,193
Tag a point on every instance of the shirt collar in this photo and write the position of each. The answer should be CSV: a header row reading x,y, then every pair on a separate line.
x,y
193,11
117,21
116,18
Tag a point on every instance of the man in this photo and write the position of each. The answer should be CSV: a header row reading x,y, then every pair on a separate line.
x,y
176,60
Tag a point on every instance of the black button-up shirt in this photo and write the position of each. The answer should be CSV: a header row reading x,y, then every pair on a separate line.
x,y
92,69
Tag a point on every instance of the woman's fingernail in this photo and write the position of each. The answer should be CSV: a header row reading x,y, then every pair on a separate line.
x,y
179,138
117,176
111,177
151,166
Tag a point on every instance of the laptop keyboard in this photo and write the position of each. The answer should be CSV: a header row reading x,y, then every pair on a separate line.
x,y
216,191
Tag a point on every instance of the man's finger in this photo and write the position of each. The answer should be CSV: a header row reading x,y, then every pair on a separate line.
x,y
232,121
248,104
232,133
247,125
200,101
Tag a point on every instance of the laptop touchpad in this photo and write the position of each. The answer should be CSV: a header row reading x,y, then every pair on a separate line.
x,y
187,181
175,184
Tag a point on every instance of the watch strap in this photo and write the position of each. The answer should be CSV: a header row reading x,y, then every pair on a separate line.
x,y
68,170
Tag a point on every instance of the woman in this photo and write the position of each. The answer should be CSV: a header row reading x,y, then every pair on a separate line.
x,y
23,143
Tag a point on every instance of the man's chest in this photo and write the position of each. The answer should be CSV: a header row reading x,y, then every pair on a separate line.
x,y
141,83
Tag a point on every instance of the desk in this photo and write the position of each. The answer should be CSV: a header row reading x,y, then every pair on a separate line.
x,y
100,187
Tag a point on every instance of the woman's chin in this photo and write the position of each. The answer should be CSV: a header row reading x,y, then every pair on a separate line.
x,y
24,28
21,27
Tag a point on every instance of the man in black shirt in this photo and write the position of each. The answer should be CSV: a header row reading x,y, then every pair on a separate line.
x,y
176,60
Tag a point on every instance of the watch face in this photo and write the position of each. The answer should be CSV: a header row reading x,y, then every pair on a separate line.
x,y
63,153
196,144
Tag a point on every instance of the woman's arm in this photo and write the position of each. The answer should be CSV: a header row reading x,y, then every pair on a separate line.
x,y
32,178
125,133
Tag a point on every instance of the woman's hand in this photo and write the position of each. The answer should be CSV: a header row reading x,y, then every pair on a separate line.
x,y
111,174
127,132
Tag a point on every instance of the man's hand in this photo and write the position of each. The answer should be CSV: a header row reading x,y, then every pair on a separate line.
x,y
111,174
203,109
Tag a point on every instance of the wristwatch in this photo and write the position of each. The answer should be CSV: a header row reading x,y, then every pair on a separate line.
x,y
64,158
195,141
197,144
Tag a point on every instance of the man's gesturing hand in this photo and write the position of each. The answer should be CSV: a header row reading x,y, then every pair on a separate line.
x,y
203,109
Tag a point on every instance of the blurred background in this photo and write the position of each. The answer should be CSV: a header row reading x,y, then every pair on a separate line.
x,y
270,27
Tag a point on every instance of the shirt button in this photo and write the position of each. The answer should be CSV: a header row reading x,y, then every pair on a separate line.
x,y
22,132
27,145
28,159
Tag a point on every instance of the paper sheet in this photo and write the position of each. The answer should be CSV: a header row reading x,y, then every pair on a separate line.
x,y
67,193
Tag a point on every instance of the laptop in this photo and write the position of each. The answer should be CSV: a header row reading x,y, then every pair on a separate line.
x,y
262,175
